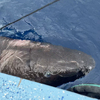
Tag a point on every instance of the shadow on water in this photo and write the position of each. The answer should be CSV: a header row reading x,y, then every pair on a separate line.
x,y
30,34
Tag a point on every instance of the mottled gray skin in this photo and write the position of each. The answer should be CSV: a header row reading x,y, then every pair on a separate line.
x,y
43,62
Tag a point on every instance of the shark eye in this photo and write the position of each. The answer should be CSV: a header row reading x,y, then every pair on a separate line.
x,y
47,74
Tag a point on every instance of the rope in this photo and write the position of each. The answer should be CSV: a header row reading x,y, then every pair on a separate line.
x,y
19,82
28,14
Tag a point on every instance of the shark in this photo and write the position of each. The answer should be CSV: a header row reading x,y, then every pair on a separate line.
x,y
43,62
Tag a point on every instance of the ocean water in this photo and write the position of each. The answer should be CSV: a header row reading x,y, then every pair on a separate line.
x,y
73,24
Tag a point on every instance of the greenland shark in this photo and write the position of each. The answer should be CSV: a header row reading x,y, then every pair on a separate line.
x,y
43,62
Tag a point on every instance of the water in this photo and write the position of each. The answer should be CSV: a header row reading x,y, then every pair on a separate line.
x,y
73,24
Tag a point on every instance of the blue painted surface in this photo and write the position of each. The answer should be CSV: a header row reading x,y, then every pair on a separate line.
x,y
29,90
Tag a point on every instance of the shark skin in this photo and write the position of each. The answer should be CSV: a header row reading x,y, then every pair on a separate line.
x,y
43,62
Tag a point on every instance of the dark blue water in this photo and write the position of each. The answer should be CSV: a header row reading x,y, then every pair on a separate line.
x,y
73,24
